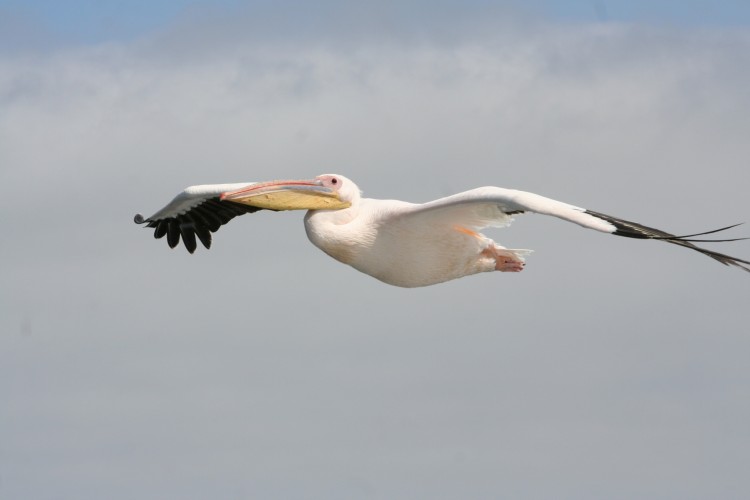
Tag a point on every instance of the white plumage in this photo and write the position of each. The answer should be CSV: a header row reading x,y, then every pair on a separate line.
x,y
400,243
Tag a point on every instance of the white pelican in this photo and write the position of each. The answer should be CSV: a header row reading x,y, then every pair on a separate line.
x,y
400,243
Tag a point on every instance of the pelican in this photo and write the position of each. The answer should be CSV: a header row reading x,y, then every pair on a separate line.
x,y
400,243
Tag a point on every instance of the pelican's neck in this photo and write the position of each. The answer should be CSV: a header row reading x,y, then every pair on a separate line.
x,y
333,217
337,232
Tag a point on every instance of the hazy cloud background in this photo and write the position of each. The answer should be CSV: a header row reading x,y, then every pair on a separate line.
x,y
264,369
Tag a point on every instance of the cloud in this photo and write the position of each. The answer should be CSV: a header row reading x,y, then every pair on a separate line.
x,y
129,367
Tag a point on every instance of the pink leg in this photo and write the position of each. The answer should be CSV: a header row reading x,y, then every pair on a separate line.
x,y
509,264
505,261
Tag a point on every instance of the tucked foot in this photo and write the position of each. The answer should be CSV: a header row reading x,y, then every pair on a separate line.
x,y
509,264
507,261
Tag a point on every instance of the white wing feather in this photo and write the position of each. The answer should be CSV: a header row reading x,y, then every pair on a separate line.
x,y
193,196
494,206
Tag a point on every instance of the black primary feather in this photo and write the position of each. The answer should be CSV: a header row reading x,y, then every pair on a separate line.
x,y
630,229
200,221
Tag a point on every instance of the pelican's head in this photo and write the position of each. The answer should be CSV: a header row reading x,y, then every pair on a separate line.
x,y
325,192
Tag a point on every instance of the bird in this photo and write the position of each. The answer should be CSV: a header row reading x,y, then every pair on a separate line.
x,y
399,243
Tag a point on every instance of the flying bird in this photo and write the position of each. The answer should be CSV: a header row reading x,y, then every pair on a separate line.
x,y
400,243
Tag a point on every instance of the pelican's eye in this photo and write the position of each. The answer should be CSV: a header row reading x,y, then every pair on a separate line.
x,y
332,182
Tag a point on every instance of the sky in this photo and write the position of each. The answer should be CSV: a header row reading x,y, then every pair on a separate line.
x,y
609,368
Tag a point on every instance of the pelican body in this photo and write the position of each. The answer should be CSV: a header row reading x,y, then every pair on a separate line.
x,y
399,243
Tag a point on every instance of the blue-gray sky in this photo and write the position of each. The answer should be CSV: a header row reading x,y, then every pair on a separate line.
x,y
91,21
609,368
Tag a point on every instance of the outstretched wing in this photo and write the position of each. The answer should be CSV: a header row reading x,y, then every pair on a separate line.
x,y
197,211
494,206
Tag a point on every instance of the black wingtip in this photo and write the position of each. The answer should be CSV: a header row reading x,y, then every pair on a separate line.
x,y
688,237
635,230
195,224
